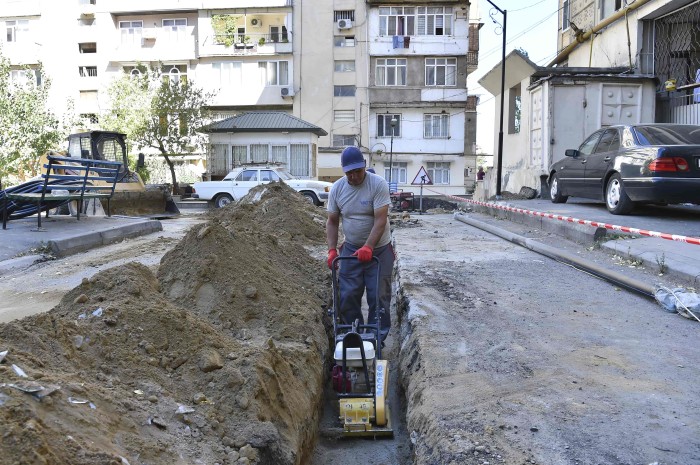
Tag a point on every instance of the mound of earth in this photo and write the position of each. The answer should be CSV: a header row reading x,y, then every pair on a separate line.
x,y
217,359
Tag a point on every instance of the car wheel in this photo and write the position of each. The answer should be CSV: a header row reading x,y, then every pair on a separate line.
x,y
222,200
311,197
555,190
616,198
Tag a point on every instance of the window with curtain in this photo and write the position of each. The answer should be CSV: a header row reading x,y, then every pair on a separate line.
x,y
391,72
436,126
239,154
274,73
299,160
397,21
440,71
175,29
279,154
434,21
439,172
131,32
219,158
398,174
259,153
229,73
344,66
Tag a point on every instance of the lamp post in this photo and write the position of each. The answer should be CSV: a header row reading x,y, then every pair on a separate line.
x,y
391,151
499,160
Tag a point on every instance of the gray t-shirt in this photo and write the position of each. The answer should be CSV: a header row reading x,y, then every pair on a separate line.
x,y
356,205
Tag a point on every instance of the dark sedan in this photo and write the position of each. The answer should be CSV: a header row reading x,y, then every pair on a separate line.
x,y
624,165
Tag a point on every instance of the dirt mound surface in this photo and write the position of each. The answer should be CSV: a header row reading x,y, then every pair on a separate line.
x,y
217,359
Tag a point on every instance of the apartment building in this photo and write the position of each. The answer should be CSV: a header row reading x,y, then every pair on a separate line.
x,y
351,67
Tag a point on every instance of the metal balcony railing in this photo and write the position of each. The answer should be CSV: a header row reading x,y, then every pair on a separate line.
x,y
472,58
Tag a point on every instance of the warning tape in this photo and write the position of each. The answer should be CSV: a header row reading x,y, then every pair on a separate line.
x,y
570,219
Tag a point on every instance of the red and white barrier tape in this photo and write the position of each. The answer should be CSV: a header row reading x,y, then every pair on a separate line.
x,y
570,219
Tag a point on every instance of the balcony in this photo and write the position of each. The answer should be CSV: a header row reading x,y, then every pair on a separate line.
x,y
249,44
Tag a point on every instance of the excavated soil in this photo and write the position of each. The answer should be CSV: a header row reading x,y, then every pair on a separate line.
x,y
216,359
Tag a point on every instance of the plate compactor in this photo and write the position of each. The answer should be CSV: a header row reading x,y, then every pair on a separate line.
x,y
360,376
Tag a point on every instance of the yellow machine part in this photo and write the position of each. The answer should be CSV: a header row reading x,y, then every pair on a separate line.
x,y
362,416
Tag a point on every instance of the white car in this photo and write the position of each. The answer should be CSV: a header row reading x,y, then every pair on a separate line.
x,y
238,182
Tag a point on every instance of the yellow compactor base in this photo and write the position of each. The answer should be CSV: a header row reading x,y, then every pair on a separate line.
x,y
360,415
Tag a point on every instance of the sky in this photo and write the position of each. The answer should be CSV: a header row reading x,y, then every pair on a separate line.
x,y
532,27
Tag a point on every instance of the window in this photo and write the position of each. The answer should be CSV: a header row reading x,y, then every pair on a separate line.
x,y
436,126
87,71
279,153
248,175
268,176
434,21
239,154
90,118
175,29
134,71
440,71
274,73
343,91
344,41
21,77
88,97
343,14
299,160
131,32
229,73
565,15
439,172
259,153
17,30
398,174
176,73
344,115
343,140
87,47
589,144
344,66
610,141
384,125
397,21
514,112
391,72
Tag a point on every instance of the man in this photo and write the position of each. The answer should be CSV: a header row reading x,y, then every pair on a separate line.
x,y
361,200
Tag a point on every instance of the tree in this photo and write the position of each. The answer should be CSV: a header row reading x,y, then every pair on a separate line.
x,y
29,129
160,112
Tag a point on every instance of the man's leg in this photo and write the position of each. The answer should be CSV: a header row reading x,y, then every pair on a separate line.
x,y
351,285
386,260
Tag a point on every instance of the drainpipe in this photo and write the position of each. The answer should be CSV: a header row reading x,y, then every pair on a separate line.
x,y
584,36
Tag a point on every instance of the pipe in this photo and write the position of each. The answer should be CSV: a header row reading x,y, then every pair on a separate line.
x,y
564,257
582,37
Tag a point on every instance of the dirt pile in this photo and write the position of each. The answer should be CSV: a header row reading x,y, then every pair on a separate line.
x,y
217,359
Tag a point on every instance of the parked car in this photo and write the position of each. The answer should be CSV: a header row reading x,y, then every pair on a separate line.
x,y
628,164
238,182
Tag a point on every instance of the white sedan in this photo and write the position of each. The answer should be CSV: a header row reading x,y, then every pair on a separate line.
x,y
238,182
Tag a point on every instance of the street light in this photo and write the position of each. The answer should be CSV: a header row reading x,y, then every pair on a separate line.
x,y
391,151
499,162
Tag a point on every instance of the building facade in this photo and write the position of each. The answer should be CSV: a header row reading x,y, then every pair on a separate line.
x,y
350,67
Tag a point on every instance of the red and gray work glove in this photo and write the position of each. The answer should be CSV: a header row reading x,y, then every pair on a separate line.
x,y
364,254
332,254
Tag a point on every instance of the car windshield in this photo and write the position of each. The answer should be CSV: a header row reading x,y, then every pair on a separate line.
x,y
668,135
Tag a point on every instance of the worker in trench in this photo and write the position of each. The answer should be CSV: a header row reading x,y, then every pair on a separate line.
x,y
361,201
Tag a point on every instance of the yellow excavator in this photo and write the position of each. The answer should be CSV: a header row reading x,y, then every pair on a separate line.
x,y
131,196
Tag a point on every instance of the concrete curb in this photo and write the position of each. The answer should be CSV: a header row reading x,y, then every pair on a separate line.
x,y
575,232
82,242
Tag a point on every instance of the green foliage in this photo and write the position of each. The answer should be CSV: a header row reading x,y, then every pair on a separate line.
x,y
224,29
29,129
158,112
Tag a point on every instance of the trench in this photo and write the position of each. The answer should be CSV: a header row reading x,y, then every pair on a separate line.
x,y
332,448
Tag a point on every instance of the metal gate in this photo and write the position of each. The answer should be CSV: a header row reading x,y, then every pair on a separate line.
x,y
677,60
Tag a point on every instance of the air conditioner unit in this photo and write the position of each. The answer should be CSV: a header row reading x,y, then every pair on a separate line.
x,y
344,23
287,92
255,22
